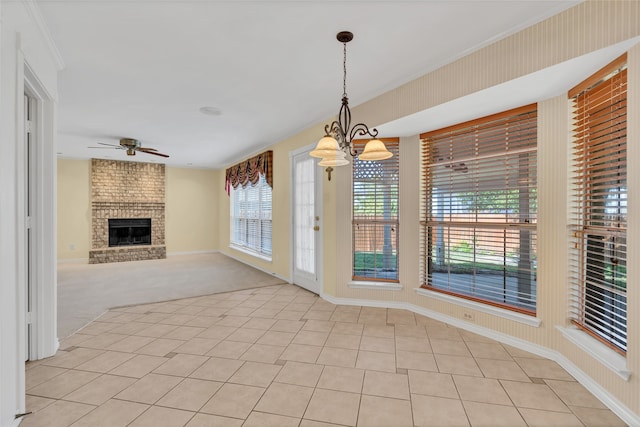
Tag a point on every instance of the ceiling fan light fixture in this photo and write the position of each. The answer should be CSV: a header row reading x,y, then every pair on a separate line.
x,y
375,150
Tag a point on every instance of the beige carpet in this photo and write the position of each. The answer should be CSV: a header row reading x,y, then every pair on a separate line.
x,y
86,291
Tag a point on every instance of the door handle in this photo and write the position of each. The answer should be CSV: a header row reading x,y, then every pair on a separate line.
x,y
316,228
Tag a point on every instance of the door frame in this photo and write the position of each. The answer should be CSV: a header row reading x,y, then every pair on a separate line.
x,y
43,269
319,210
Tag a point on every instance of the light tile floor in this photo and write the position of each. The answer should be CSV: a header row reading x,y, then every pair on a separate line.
x,y
281,356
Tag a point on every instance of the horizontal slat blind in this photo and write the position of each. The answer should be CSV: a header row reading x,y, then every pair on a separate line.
x,y
598,300
251,217
480,210
375,215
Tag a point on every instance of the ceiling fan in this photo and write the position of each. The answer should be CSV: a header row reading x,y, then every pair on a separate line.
x,y
131,146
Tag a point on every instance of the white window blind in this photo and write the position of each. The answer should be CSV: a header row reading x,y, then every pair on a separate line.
x,y
375,215
480,210
251,218
598,300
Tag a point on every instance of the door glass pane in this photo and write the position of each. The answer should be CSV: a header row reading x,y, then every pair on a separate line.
x,y
304,213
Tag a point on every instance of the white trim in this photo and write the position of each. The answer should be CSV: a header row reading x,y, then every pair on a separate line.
x,y
284,279
603,354
36,16
617,407
250,252
16,422
301,150
169,254
24,349
484,308
44,220
73,261
212,251
365,303
383,286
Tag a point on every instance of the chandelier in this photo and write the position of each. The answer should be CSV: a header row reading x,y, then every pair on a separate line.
x,y
338,139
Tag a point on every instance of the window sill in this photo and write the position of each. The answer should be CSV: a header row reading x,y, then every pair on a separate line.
x,y
250,252
484,308
603,354
383,286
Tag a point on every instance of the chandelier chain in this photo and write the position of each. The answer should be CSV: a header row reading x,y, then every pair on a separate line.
x,y
344,68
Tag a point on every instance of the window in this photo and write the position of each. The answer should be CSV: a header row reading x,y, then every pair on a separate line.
x,y
251,218
599,298
480,210
249,184
375,215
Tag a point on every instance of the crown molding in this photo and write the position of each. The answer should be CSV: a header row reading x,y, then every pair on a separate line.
x,y
36,16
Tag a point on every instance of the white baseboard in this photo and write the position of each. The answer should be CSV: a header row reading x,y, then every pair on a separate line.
x,y
73,260
271,273
213,251
617,407
169,254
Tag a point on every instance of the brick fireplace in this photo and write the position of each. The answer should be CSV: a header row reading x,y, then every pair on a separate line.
x,y
126,190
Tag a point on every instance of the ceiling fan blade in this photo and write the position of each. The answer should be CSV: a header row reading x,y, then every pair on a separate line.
x,y
109,145
146,149
104,148
154,153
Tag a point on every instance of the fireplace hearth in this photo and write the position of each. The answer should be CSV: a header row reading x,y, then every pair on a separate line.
x,y
129,231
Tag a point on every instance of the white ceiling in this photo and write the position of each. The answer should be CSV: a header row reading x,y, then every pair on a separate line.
x,y
143,68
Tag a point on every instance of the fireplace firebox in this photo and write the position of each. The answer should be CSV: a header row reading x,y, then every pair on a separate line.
x,y
129,231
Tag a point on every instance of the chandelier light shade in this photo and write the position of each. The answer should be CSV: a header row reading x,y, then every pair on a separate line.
x,y
375,150
327,147
333,162
339,135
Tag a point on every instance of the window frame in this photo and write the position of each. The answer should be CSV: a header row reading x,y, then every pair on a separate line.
x,y
392,225
260,216
591,303
526,221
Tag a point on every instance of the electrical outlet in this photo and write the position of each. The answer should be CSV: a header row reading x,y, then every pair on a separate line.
x,y
72,247
468,316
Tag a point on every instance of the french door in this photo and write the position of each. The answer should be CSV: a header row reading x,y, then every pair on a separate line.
x,y
306,222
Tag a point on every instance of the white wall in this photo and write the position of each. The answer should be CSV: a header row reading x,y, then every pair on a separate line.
x,y
25,52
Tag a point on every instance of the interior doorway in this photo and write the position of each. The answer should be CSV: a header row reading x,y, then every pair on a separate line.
x,y
36,202
29,203
306,224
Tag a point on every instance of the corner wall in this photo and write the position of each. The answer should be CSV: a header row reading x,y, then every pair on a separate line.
x,y
191,214
25,52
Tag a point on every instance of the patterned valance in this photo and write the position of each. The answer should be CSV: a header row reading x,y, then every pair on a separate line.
x,y
249,171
